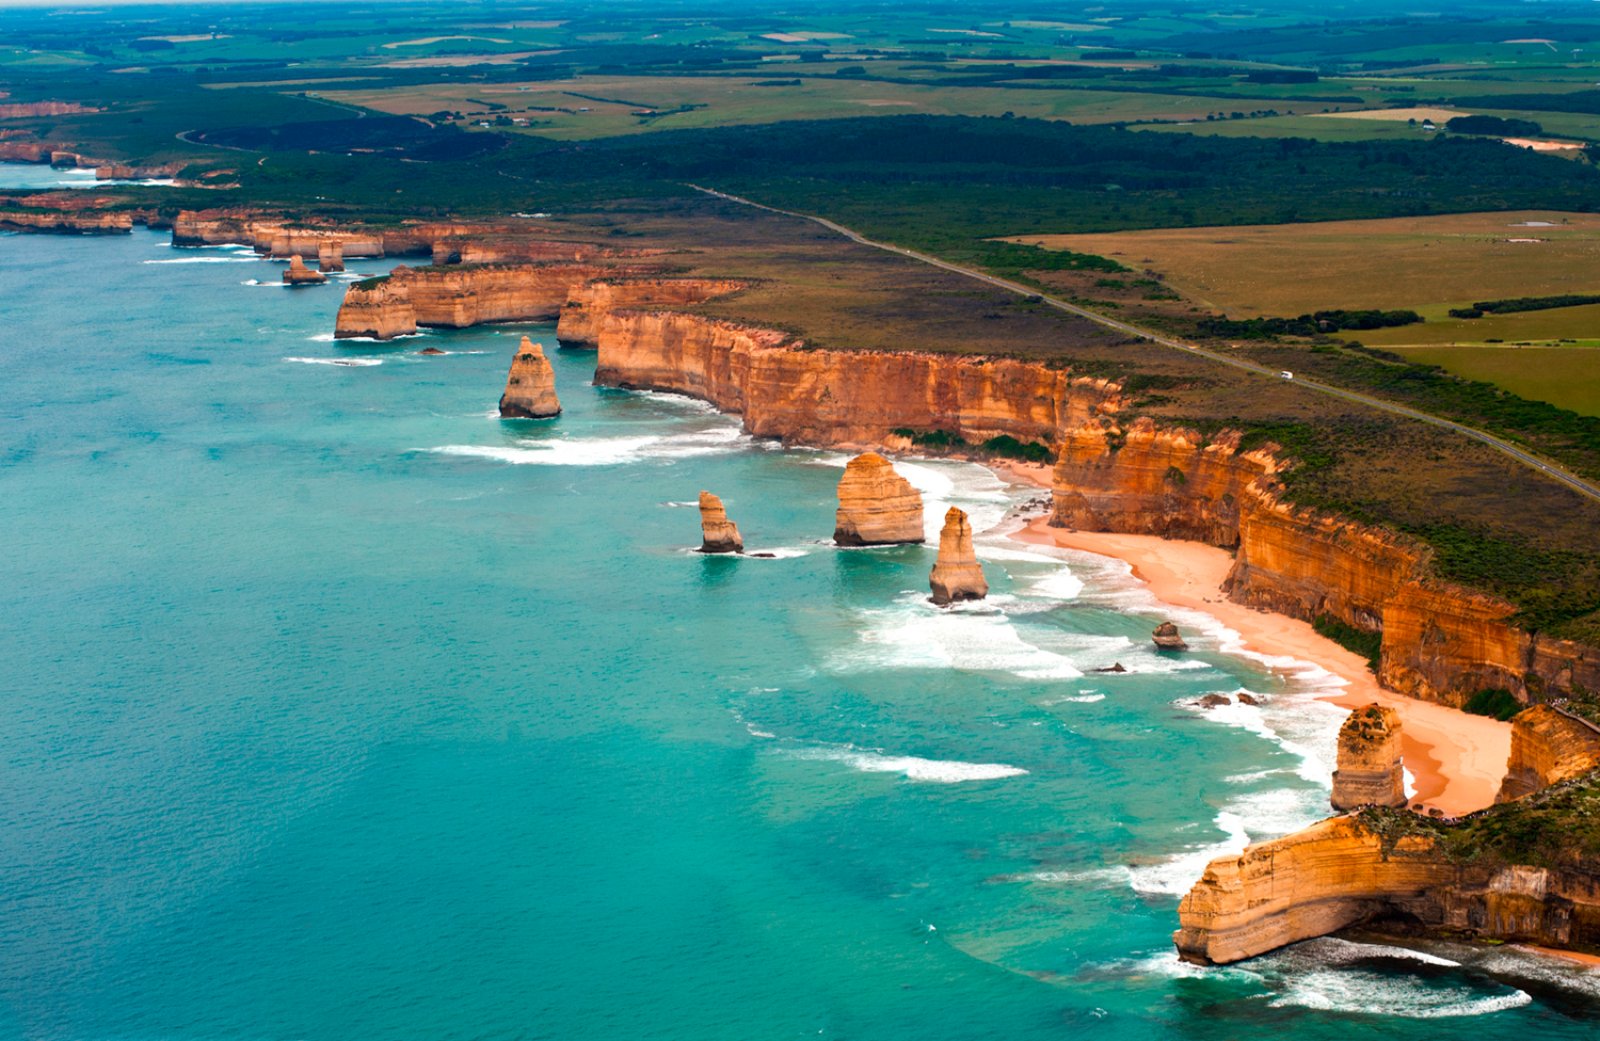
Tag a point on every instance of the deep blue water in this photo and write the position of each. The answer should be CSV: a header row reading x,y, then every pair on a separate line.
x,y
332,706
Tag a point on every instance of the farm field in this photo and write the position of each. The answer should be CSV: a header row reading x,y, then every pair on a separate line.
x,y
1568,377
1580,324
602,106
1428,264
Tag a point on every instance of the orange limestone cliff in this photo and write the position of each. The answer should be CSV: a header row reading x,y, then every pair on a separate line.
x,y
531,386
588,305
1369,771
956,574
1548,746
1439,642
877,507
330,256
718,534
297,274
840,397
457,297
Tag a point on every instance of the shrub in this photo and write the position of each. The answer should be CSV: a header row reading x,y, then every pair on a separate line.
x,y
1495,702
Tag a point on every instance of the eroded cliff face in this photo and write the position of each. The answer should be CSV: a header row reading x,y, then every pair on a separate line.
x,y
457,297
588,305
1440,642
877,507
479,247
531,386
841,398
956,574
280,238
1547,747
1342,872
70,222
718,534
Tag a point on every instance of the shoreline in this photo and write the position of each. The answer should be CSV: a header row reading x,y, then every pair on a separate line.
x,y
1457,760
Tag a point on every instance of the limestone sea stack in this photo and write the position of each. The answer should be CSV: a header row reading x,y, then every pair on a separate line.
x,y
1369,771
531,386
330,255
956,574
1167,638
297,274
718,534
877,507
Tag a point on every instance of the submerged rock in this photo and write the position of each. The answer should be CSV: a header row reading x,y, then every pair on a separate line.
x,y
1115,667
956,574
1213,701
718,534
1167,638
531,386
297,274
1369,771
877,507
430,350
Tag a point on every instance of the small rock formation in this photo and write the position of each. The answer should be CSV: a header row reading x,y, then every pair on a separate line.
x,y
330,255
1248,699
1547,746
297,274
1214,701
956,574
718,534
531,386
430,350
1114,667
1369,771
877,507
1167,638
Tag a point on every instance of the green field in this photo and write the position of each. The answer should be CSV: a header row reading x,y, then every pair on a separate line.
x,y
1567,377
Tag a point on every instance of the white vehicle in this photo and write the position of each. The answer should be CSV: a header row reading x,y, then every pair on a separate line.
x,y
1286,375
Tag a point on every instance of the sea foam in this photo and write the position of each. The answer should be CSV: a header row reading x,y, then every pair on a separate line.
x,y
914,768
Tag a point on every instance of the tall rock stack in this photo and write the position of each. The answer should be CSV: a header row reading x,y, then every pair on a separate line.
x,y
531,386
1369,769
330,255
956,574
718,534
877,507
297,274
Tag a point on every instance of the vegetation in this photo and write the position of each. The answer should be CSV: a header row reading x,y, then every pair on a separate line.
x,y
1495,702
1305,325
1553,828
1494,126
1367,644
1526,303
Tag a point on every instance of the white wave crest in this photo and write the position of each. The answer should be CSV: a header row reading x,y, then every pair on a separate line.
x,y
934,771
350,362
610,451
203,260
913,634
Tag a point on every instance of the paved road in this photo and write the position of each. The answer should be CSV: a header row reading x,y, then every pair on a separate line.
x,y
1544,466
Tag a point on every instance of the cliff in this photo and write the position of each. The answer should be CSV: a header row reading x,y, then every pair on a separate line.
x,y
956,574
379,308
330,255
718,534
837,397
481,246
588,305
71,222
281,238
877,506
457,297
1440,642
1369,769
1547,747
531,386
1527,871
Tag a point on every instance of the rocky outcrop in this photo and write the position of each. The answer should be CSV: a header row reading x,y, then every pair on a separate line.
x,y
487,246
838,397
297,274
330,256
1548,746
588,305
877,507
1440,642
956,574
68,222
1167,638
457,297
1369,771
281,238
26,109
1390,866
531,386
379,308
718,534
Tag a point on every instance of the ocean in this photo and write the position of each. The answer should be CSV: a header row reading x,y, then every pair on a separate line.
x,y
333,706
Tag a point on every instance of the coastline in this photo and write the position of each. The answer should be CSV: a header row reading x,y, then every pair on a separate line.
x,y
1457,760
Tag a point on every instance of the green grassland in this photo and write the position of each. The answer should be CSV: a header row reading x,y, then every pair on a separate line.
x,y
1568,377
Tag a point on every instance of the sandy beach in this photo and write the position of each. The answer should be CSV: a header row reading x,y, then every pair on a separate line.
x,y
1456,759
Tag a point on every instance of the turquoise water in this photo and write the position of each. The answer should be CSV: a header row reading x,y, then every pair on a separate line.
x,y
332,706
31,175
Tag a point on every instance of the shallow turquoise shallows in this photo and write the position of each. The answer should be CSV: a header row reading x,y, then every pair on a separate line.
x,y
334,707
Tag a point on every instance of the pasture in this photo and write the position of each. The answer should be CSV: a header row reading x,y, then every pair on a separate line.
x,y
1567,377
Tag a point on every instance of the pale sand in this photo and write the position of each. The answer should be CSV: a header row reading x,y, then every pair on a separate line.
x,y
1457,760
1590,960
